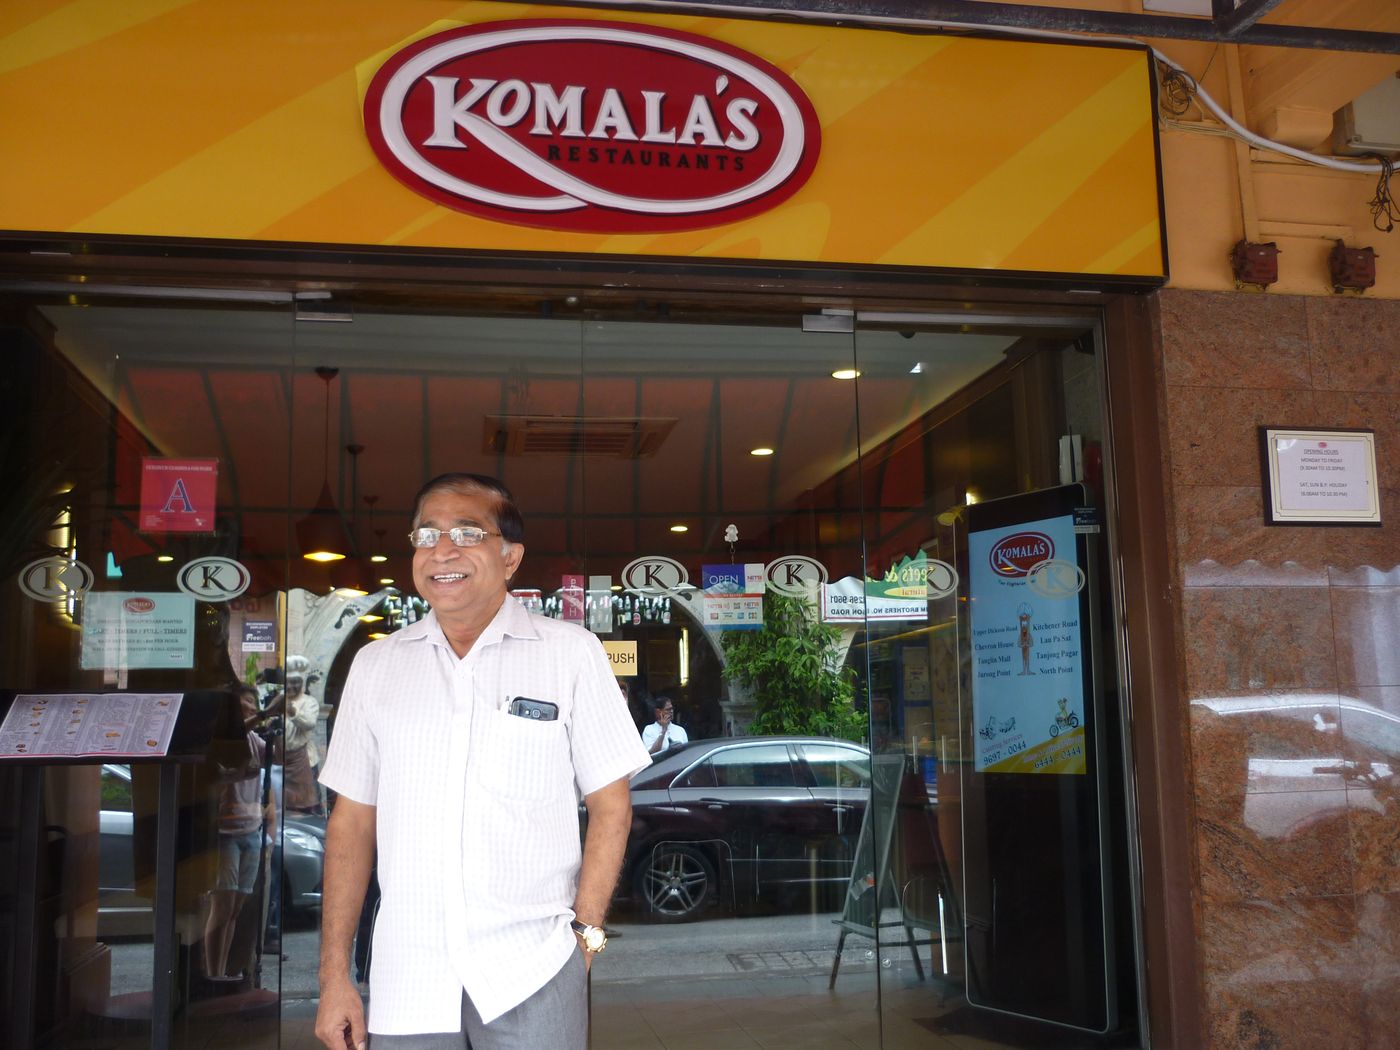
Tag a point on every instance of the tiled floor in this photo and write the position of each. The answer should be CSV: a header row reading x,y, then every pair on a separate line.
x,y
770,1012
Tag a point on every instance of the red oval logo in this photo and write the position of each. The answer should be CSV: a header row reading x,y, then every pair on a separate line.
x,y
1014,556
138,605
604,127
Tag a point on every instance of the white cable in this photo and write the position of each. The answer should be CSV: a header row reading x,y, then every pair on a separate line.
x,y
1369,167
1259,140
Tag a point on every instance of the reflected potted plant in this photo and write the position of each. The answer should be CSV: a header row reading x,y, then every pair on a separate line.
x,y
790,671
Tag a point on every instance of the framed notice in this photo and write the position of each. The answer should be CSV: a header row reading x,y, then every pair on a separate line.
x,y
1320,477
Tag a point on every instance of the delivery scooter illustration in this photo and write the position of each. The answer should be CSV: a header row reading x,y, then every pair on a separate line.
x,y
1066,719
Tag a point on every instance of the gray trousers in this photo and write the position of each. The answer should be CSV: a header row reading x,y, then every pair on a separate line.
x,y
554,1018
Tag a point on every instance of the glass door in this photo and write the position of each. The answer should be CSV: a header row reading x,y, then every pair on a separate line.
x,y
145,563
729,516
989,659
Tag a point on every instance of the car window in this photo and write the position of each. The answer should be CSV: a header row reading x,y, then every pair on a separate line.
x,y
116,788
702,776
763,765
836,766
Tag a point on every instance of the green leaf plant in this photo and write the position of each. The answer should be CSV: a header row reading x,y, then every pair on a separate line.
x,y
790,669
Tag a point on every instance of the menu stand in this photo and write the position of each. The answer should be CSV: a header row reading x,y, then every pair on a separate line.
x,y
189,743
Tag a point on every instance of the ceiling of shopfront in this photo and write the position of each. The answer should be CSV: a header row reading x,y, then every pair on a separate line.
x,y
416,391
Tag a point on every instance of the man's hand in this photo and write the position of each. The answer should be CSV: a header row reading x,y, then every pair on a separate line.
x,y
587,955
340,1019
350,839
609,820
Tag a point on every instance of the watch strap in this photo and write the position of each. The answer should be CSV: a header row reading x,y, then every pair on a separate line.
x,y
590,935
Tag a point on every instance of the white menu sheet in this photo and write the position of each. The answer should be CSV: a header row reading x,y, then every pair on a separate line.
x,y
75,725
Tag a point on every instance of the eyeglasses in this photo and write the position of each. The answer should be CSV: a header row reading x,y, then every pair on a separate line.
x,y
461,536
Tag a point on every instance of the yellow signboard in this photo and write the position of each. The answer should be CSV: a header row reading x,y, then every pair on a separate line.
x,y
623,658
228,120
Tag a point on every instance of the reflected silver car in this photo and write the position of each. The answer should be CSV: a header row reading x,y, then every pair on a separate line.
x,y
122,912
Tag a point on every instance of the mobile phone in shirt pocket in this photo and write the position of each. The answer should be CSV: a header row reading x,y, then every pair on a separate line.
x,y
539,710
524,758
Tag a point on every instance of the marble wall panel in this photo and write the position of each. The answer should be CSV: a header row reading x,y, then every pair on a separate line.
x,y
1378,944
1214,432
1366,622
1225,525
1215,340
1255,638
1281,974
1298,810
1271,801
1351,343
1371,740
1369,410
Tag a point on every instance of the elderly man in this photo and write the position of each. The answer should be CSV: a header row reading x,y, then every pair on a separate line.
x,y
462,746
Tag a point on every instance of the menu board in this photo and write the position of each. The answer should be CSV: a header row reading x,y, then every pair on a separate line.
x,y
1037,893
1024,582
75,725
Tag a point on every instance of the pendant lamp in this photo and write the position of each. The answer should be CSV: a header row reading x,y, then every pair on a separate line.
x,y
321,534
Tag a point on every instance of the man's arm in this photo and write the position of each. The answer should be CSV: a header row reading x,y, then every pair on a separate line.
x,y
609,821
658,737
350,838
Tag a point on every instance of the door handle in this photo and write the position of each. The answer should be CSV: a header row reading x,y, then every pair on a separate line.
x,y
715,803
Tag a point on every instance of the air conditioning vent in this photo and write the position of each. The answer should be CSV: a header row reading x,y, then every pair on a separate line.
x,y
613,437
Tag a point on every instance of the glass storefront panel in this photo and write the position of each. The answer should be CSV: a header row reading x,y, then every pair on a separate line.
x,y
146,482
769,528
743,838
994,697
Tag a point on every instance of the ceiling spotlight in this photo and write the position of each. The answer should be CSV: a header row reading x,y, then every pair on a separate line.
x,y
370,618
376,635
845,373
165,557
680,528
376,558
386,580
761,451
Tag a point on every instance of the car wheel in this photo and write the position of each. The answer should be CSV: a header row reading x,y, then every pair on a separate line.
x,y
675,882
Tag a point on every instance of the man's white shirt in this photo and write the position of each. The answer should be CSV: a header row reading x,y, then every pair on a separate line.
x,y
675,735
476,809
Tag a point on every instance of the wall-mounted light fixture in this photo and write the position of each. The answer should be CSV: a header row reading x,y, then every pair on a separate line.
x,y
1351,269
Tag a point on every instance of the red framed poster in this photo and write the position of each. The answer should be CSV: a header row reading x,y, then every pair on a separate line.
x,y
178,495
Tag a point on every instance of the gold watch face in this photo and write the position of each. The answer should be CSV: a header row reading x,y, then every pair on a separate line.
x,y
594,939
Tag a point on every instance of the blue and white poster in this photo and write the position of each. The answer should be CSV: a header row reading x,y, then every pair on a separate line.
x,y
733,596
1027,648
126,631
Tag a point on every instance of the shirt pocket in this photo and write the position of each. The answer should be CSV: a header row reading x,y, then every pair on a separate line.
x,y
520,758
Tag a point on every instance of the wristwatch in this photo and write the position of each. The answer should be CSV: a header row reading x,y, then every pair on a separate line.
x,y
595,938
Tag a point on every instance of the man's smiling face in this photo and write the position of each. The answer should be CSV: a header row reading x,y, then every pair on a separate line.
x,y
463,584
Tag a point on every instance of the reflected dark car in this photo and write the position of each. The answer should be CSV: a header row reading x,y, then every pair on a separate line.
x,y
744,821
121,912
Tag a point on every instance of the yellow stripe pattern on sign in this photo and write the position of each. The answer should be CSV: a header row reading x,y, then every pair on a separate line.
x,y
229,120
